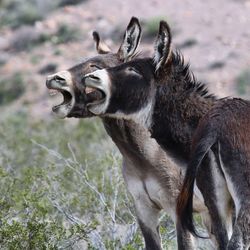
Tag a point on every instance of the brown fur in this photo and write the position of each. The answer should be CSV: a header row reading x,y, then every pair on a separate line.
x,y
143,158
170,107
227,127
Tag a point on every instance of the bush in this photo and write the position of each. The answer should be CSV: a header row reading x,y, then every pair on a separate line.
x,y
15,13
152,25
69,2
62,186
11,89
243,82
65,34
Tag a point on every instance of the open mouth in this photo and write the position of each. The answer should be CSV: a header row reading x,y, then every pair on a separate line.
x,y
97,94
94,95
55,87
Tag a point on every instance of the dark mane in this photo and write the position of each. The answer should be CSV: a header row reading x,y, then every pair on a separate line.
x,y
181,71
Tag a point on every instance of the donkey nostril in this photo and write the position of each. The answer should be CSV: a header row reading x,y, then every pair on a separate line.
x,y
59,78
93,77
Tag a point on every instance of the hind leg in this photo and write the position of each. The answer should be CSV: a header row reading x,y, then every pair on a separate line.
x,y
217,199
185,239
240,239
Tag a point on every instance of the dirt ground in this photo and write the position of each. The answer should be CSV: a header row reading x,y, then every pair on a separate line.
x,y
213,36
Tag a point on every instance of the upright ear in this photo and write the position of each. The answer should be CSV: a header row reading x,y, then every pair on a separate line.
x,y
101,47
162,52
131,39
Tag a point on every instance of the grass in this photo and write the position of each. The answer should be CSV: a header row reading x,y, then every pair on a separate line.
x,y
62,188
59,188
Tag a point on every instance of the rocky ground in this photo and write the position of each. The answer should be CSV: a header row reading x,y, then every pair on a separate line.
x,y
213,36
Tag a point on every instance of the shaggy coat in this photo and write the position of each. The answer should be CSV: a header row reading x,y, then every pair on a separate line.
x,y
162,95
152,176
225,130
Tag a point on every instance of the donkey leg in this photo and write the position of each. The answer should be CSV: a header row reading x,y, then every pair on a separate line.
x,y
185,239
240,239
148,219
146,210
206,221
218,227
211,184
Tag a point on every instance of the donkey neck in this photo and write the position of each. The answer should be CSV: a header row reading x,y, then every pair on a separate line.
x,y
179,105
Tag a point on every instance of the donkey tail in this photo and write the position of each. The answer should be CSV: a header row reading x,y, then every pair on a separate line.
x,y
184,208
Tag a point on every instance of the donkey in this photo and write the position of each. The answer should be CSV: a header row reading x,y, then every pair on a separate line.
x,y
153,177
225,129
162,95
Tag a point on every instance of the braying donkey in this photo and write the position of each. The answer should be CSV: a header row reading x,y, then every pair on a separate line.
x,y
162,95
152,176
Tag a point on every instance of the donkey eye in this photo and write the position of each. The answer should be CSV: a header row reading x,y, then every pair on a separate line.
x,y
134,70
95,66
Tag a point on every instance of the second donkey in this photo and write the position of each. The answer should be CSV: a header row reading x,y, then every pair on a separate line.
x,y
161,94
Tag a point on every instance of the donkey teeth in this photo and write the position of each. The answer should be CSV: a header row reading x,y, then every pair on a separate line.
x,y
89,90
53,92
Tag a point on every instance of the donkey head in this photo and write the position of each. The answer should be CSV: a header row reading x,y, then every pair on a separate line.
x,y
69,82
128,90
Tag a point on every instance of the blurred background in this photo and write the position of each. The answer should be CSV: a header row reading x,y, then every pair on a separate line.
x,y
60,180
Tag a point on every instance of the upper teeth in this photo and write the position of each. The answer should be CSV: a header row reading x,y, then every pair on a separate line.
x,y
53,92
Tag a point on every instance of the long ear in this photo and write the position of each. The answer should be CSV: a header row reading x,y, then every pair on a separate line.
x,y
162,52
131,39
101,47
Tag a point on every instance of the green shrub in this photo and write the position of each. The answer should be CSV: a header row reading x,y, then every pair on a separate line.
x,y
65,34
243,82
15,13
152,25
61,187
11,88
58,183
69,2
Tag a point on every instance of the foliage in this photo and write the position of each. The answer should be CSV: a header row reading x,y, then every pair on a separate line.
x,y
65,34
70,2
15,13
243,82
62,188
152,25
11,88
59,190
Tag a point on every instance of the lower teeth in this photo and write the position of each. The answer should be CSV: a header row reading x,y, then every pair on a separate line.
x,y
53,92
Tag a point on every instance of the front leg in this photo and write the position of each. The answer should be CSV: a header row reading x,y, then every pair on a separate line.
x,y
148,219
146,211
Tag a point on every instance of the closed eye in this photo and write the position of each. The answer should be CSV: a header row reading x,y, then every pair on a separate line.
x,y
134,70
95,66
